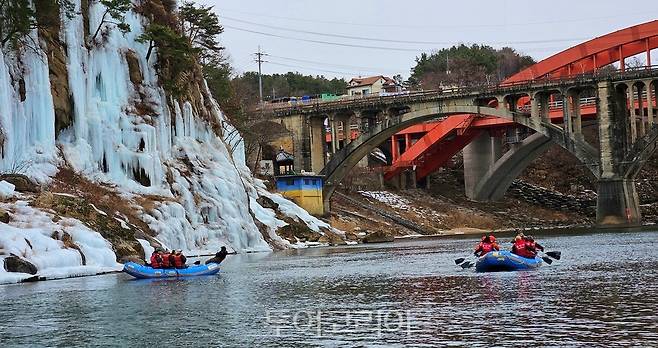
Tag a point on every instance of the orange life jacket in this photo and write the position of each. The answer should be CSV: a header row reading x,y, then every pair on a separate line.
x,y
165,260
178,261
156,261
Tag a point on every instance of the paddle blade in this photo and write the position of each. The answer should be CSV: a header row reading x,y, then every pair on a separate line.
x,y
197,262
554,254
459,260
547,260
467,264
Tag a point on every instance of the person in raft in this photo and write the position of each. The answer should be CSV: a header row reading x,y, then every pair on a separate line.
x,y
177,259
219,257
487,244
156,259
166,259
532,247
526,247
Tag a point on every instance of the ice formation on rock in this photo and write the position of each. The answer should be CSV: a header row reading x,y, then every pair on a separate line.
x,y
207,194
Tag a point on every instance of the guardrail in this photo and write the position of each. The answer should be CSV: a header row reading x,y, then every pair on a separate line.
x,y
485,88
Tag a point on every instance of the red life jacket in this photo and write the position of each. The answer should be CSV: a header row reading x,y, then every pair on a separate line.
x,y
178,261
155,263
165,260
520,248
486,247
531,247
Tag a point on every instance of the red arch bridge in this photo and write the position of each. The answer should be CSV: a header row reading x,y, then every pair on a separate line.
x,y
547,103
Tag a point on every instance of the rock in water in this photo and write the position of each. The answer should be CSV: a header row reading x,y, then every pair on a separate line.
x,y
378,237
16,264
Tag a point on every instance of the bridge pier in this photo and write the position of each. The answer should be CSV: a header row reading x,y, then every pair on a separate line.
x,y
617,199
318,157
479,156
617,203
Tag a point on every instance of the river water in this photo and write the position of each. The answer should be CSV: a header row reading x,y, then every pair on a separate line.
x,y
604,291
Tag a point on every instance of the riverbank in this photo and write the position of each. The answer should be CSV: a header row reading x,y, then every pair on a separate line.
x,y
443,212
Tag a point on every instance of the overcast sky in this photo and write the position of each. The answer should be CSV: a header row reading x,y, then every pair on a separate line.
x,y
396,31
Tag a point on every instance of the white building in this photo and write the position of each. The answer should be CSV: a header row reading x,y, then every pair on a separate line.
x,y
363,86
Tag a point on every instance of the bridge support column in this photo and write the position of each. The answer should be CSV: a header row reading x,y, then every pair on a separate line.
x,y
414,182
575,113
617,200
631,114
640,108
650,99
617,203
347,132
540,107
479,157
567,114
317,144
334,133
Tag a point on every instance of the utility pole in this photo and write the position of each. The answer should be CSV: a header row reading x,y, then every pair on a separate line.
x,y
259,59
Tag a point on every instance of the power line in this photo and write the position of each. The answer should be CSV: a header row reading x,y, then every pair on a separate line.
x,y
516,24
326,42
335,35
374,69
391,40
314,69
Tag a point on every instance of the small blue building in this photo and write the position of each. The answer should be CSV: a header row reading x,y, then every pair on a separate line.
x,y
305,190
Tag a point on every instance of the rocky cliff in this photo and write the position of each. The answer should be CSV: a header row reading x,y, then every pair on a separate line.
x,y
113,155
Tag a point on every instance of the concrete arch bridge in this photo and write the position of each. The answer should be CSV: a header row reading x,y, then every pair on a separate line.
x,y
552,99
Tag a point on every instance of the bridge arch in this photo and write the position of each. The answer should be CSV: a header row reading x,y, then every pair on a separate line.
x,y
344,160
646,145
596,53
497,180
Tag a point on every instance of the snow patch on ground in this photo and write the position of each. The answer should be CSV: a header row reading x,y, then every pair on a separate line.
x,y
388,198
148,249
30,236
6,190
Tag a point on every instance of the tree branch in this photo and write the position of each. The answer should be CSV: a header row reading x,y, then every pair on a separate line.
x,y
93,38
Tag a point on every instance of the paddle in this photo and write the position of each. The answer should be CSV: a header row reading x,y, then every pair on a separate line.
x,y
460,260
467,264
546,259
554,254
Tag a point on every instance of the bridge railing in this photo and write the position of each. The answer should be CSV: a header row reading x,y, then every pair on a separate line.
x,y
415,95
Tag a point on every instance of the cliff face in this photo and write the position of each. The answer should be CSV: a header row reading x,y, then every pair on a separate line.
x,y
98,110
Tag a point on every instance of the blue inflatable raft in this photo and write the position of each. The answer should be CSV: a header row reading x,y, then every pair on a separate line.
x,y
145,272
502,261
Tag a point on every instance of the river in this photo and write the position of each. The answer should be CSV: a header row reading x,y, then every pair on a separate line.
x,y
604,291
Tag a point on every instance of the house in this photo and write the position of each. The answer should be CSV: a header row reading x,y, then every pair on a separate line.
x,y
284,163
362,86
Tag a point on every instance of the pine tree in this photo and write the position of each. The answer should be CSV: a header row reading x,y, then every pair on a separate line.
x,y
115,13
17,20
201,27
175,54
